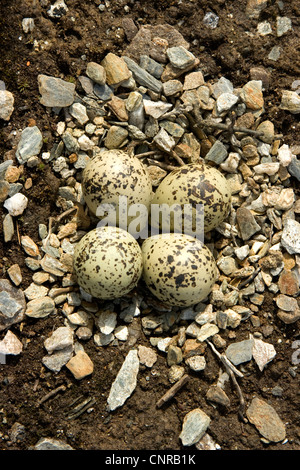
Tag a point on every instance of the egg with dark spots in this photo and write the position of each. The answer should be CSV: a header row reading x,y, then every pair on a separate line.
x,y
113,177
107,262
178,269
189,186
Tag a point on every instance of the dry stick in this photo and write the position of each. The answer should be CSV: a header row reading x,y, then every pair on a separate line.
x,y
232,371
172,391
249,279
61,388
162,165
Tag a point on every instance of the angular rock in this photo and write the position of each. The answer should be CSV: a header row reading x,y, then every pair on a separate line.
x,y
194,425
116,69
16,204
217,153
48,443
56,360
61,338
147,356
240,352
290,101
151,66
10,345
263,353
30,144
56,93
266,420
106,322
12,304
80,365
142,76
217,395
196,363
40,308
252,95
246,223
180,57
96,72
78,111
125,381
290,238
115,137
6,104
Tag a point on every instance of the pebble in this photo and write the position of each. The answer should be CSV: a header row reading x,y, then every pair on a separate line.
x,y
28,25
252,96
225,102
174,355
125,381
196,363
217,153
8,228
30,144
115,137
147,356
96,72
106,322
206,331
61,338
275,53
263,353
57,359
240,352
143,77
35,291
217,395
57,10
48,443
246,223
116,69
15,274
80,365
12,304
180,57
288,283
78,111
10,344
194,426
283,25
6,104
290,238
151,66
294,168
40,308
266,420
193,80
290,101
286,303
55,92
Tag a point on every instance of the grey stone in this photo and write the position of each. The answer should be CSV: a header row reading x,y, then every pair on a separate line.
x,y
240,352
70,142
96,73
194,425
294,168
106,322
283,24
48,443
290,238
217,395
180,57
217,153
6,104
275,53
246,223
58,359
115,137
61,338
125,382
174,355
225,102
104,92
172,87
151,66
143,77
196,362
12,304
3,168
78,111
40,308
30,144
8,228
223,85
55,92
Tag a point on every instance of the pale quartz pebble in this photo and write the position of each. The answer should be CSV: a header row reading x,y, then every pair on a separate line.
x,y
156,109
206,331
284,155
16,204
262,353
85,143
231,163
147,356
242,252
10,344
29,246
60,127
281,199
267,168
121,332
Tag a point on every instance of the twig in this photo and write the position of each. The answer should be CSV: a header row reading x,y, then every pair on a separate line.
x,y
177,158
172,391
164,166
232,371
249,279
51,394
81,408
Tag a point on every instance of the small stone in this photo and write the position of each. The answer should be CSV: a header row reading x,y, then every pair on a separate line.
x,y
151,66
180,57
246,223
242,252
147,356
290,101
28,25
58,9
125,382
193,80
8,228
225,102
290,238
103,340
288,283
231,163
264,28
115,137
30,144
104,92
172,87
4,190
217,395
143,77
206,331
116,69
227,265
223,85
172,128
252,95
284,155
275,53
283,25
48,443
286,303
175,373
80,365
16,204
174,355
294,168
164,141
266,420
156,174
53,266
10,344
58,358
29,246
15,274
263,353
121,333
156,109
96,72
196,363
78,111
106,322
240,352
117,105
12,304
61,338
40,308
6,104
35,291
56,93
217,153
194,425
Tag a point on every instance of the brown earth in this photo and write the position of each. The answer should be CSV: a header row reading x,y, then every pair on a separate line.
x,y
228,50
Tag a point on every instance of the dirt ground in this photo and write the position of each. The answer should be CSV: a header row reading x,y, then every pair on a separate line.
x,y
230,50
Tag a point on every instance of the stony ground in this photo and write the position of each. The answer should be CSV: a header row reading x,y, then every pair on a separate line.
x,y
257,252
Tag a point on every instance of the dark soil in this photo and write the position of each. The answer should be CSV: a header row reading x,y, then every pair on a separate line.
x,y
231,49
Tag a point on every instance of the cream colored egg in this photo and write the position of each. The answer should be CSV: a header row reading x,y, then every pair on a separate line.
x,y
107,262
190,185
178,269
115,178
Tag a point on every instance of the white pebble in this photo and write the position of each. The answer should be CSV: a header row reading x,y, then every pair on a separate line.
x,y
16,204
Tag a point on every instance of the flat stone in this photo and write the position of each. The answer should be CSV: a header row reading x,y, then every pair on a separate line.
x,y
80,365
12,304
223,85
61,338
156,109
104,92
10,344
172,87
252,95
151,66
78,111
58,358
283,25
143,77
40,308
121,332
116,69
274,53
225,102
56,93
266,420
174,355
115,137
290,101
246,223
15,274
103,340
29,246
35,291
8,228
217,395
96,72
58,9
48,443
53,266
106,322
125,381
164,141
290,238
206,331
118,107
193,80
227,265
147,356
196,363
30,144
286,303
172,128
240,352
194,425
217,153
180,57
6,104
4,190
294,168
263,353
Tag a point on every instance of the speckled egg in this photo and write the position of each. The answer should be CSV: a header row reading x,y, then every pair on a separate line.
x,y
111,174
178,269
107,262
196,184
